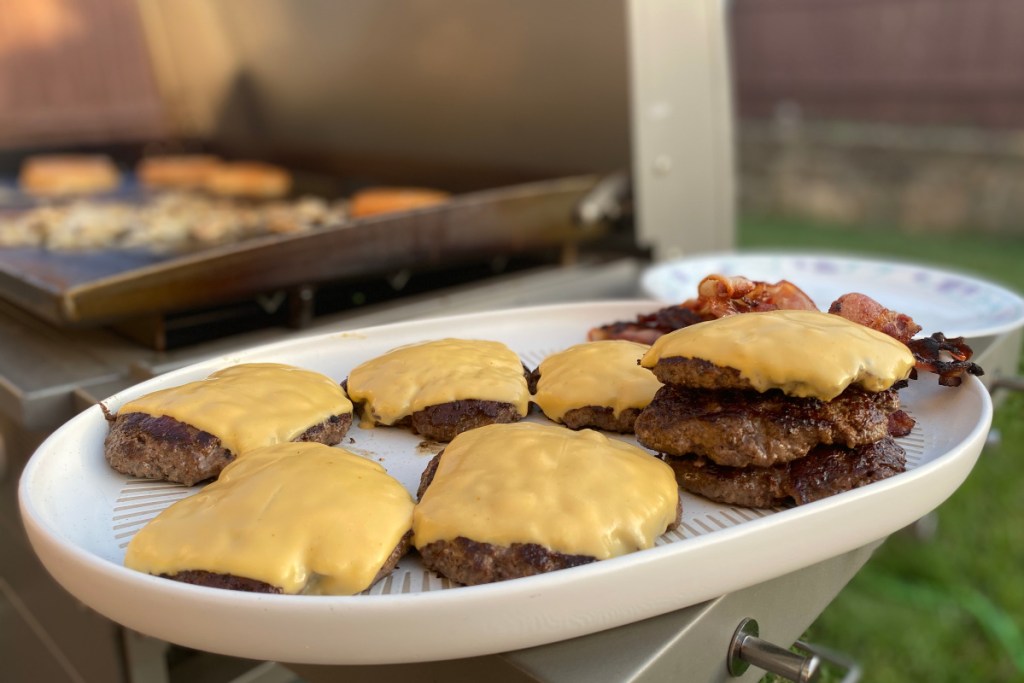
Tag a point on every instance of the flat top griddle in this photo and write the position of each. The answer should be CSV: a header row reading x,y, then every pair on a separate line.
x,y
85,288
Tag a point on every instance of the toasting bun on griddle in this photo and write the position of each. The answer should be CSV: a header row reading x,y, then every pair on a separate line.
x,y
177,171
65,175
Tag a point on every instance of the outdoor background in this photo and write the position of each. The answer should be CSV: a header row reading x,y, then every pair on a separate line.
x,y
896,128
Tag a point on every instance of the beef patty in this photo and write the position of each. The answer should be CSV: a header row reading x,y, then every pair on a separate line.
x,y
827,470
593,416
151,447
471,562
695,373
445,421
599,417
742,428
596,384
201,577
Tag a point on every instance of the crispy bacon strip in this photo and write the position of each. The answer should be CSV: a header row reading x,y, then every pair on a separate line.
x,y
862,309
717,296
928,352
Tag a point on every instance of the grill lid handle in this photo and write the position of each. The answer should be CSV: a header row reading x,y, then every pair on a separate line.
x,y
607,202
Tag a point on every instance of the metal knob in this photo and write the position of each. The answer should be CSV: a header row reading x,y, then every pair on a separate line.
x,y
746,649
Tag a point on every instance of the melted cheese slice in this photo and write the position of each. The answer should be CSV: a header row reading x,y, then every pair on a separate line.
x,y
600,373
249,405
410,378
577,493
300,516
803,353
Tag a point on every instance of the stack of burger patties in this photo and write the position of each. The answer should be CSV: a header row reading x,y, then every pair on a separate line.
x,y
764,409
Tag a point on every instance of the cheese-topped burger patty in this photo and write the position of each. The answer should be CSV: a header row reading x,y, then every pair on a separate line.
x,y
506,501
759,390
441,388
801,353
189,433
597,384
289,518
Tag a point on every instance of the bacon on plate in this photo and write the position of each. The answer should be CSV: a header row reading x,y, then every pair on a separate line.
x,y
720,295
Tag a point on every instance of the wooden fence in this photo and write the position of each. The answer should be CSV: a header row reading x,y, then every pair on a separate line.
x,y
947,62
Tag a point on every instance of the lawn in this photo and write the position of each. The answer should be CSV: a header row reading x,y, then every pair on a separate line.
x,y
949,607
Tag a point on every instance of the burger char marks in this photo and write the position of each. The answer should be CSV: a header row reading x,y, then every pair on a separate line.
x,y
827,470
443,422
161,447
471,563
744,428
201,577
592,416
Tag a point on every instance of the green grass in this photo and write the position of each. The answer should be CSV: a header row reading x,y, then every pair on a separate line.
x,y
948,608
1000,259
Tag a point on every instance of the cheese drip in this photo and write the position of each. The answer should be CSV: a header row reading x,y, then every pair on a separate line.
x,y
599,373
410,378
249,405
300,516
577,493
803,353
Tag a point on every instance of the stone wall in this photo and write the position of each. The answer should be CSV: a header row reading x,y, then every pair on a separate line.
x,y
917,179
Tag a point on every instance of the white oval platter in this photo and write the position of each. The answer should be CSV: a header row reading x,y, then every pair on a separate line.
x,y
80,514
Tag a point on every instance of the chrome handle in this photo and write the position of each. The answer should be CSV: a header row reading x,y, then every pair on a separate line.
x,y
746,649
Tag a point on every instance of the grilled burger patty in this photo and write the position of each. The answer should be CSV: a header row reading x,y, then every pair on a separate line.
x,y
597,384
201,577
471,562
742,428
444,421
598,417
149,447
695,373
286,518
593,416
827,470
442,387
